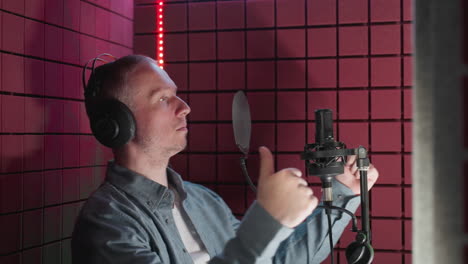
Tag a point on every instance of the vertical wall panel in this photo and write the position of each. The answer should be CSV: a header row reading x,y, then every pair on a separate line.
x,y
292,57
43,129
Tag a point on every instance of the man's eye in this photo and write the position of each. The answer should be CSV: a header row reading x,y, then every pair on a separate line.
x,y
163,99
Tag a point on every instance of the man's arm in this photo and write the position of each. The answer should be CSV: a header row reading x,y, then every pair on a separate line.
x,y
262,239
105,238
257,238
310,243
283,201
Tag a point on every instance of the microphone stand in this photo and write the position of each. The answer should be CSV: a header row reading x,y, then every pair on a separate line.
x,y
324,165
363,166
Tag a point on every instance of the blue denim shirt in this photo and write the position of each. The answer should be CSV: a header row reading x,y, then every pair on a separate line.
x,y
128,219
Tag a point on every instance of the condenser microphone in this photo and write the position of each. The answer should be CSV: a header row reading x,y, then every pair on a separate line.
x,y
330,165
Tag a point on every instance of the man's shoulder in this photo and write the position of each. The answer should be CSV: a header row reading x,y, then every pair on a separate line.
x,y
197,189
108,214
107,199
203,195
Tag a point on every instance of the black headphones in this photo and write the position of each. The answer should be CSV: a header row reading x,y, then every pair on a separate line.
x,y
112,122
360,251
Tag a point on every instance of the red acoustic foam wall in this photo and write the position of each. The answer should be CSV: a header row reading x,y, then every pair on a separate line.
x,y
50,162
291,58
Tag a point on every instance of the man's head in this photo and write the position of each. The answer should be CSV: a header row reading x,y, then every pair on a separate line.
x,y
150,94
113,78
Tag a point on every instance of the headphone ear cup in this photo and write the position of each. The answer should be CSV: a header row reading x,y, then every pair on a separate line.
x,y
112,122
359,253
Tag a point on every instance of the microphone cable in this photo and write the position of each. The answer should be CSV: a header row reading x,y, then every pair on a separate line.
x,y
330,233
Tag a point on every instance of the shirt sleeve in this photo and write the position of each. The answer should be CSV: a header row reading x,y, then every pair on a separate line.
x,y
118,239
310,243
262,239
257,239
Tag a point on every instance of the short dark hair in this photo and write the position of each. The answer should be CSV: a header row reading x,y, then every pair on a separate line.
x,y
110,80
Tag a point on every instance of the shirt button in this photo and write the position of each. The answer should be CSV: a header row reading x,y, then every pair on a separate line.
x,y
184,250
167,220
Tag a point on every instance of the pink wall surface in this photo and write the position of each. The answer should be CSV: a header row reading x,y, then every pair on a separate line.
x,y
292,57
50,162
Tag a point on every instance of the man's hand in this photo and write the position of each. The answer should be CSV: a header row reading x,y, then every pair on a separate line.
x,y
351,175
284,194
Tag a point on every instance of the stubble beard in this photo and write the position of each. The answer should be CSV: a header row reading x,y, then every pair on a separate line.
x,y
155,148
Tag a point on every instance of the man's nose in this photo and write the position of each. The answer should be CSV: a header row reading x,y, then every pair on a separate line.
x,y
184,108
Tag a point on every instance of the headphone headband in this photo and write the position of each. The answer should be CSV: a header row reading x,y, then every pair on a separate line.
x,y
111,121
93,68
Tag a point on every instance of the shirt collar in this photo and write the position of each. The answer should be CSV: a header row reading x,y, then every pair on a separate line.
x,y
148,191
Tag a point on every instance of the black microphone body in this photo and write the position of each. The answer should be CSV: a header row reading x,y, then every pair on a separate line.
x,y
330,165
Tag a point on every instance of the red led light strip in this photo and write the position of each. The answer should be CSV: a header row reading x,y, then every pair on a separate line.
x,y
159,34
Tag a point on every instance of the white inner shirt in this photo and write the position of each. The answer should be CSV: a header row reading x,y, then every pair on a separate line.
x,y
189,235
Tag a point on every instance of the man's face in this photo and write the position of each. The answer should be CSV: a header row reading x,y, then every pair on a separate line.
x,y
161,125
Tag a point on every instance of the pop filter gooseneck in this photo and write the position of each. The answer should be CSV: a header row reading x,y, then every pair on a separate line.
x,y
242,128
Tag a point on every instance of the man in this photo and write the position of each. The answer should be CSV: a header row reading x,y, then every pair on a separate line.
x,y
145,213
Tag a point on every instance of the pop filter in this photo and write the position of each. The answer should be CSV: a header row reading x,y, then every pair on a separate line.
x,y
241,122
242,128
